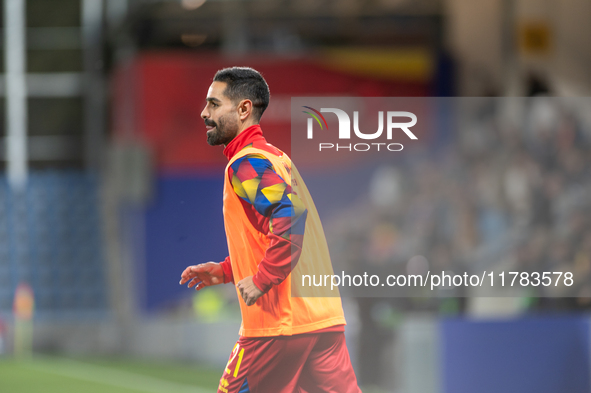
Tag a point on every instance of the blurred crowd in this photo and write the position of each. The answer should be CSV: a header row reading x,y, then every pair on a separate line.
x,y
510,191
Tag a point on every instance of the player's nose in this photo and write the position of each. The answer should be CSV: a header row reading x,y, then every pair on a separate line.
x,y
205,113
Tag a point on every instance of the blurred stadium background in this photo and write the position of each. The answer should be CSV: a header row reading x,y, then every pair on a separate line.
x,y
108,189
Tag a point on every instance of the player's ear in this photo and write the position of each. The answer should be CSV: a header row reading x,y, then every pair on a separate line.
x,y
244,109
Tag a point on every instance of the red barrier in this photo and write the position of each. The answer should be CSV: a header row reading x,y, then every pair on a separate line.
x,y
158,97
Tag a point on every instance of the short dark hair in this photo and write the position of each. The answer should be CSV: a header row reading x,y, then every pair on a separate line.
x,y
245,83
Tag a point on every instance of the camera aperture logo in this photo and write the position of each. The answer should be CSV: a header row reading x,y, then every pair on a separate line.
x,y
392,124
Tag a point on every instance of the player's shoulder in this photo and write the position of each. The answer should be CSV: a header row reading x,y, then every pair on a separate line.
x,y
259,156
267,148
253,158
251,164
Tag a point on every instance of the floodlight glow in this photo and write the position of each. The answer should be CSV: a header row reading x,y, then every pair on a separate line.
x,y
192,4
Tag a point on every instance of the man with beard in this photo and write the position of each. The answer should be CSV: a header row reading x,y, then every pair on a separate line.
x,y
287,343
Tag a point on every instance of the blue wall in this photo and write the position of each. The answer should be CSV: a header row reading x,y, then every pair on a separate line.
x,y
533,355
184,226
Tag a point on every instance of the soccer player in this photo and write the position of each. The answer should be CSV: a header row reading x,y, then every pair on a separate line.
x,y
287,343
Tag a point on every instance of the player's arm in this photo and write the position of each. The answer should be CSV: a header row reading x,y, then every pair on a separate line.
x,y
255,181
227,269
207,274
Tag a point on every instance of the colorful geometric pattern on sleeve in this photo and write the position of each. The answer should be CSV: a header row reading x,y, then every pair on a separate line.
x,y
255,181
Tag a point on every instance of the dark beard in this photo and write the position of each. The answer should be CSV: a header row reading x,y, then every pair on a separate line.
x,y
225,131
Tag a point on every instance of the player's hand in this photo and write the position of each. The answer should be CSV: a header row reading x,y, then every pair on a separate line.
x,y
249,292
204,275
